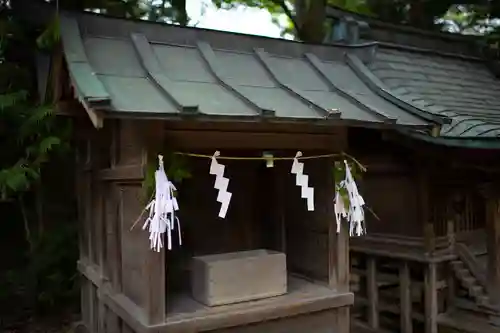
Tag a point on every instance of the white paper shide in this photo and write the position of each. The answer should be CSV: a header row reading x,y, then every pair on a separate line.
x,y
302,180
221,184
162,210
354,214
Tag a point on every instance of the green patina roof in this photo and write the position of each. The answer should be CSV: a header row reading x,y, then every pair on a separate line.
x,y
147,69
461,89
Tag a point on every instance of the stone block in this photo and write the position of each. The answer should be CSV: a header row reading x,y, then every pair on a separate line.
x,y
238,276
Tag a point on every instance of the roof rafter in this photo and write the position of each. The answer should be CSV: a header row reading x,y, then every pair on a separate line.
x,y
263,57
154,70
319,67
208,55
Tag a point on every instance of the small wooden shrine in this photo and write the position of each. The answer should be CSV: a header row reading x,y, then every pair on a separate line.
x,y
258,252
430,260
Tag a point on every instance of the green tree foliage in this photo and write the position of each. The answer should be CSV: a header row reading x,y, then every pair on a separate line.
x,y
29,131
171,11
306,18
44,274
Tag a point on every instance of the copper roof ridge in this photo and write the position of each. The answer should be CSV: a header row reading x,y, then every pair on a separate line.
x,y
429,51
334,11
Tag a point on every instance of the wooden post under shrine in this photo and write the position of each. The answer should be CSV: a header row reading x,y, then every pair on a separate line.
x,y
493,246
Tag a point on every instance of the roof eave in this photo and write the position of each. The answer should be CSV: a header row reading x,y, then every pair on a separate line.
x,y
454,142
201,117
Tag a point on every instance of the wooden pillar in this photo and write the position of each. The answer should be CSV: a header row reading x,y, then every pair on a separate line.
x,y
338,255
143,270
451,286
431,303
405,296
372,293
343,274
338,263
493,246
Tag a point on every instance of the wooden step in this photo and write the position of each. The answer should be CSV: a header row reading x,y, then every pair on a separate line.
x,y
466,322
478,309
476,291
469,282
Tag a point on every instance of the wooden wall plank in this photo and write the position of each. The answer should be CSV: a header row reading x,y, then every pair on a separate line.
x,y
113,236
308,231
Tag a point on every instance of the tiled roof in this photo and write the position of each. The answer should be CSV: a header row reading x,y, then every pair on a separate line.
x,y
442,74
462,89
146,69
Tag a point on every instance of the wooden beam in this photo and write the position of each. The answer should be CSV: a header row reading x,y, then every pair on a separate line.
x,y
210,140
95,116
122,173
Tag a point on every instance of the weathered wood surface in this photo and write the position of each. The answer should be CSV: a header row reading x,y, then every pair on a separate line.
x,y
125,288
320,322
470,260
303,297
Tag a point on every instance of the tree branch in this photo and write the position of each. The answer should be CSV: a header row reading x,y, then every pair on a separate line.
x,y
288,12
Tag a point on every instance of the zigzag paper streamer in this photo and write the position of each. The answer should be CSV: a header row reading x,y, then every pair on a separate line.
x,y
355,215
162,209
302,180
221,184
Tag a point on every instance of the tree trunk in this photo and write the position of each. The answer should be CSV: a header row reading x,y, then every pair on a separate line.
x,y
310,18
